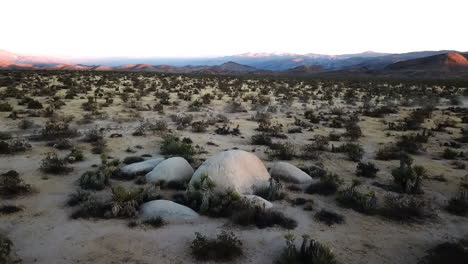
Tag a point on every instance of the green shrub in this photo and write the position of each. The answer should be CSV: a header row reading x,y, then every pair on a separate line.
x,y
155,222
5,248
260,217
261,139
328,184
57,129
9,209
329,217
353,150
54,165
282,151
447,252
12,185
311,252
78,197
272,192
352,198
449,154
225,247
173,146
368,170
404,208
388,152
459,205
14,146
132,159
34,104
94,180
75,155
5,107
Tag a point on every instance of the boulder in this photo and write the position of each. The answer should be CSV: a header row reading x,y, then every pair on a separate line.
x,y
257,201
238,170
171,170
167,210
140,168
289,173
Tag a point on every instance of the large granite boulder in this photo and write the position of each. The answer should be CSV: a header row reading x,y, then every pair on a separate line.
x,y
167,210
139,168
171,170
238,170
289,173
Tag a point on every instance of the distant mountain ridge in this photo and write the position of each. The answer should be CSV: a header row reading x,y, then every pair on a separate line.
x,y
443,64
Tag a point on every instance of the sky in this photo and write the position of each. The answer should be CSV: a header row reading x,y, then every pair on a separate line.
x,y
199,28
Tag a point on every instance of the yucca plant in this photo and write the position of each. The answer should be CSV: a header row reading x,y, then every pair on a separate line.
x,y
125,201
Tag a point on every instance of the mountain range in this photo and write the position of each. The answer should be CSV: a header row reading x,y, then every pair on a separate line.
x,y
431,64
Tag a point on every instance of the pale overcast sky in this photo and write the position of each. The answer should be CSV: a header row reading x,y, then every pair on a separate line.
x,y
216,27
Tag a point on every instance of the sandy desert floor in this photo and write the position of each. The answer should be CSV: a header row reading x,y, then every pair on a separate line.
x,y
44,232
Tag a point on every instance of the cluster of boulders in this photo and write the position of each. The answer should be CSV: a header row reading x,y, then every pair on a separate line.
x,y
236,170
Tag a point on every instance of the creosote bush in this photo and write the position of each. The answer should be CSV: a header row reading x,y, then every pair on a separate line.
x,y
329,217
360,202
174,146
310,252
225,247
54,165
12,185
368,170
404,208
328,184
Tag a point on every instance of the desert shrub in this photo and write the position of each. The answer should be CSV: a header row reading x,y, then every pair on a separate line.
x,y
92,207
311,252
159,126
403,208
353,151
94,180
408,177
411,143
224,248
99,147
449,154
447,252
132,159
282,151
368,170
25,124
61,144
54,165
182,121
199,126
327,185
93,135
271,192
5,135
226,130
272,129
459,205
125,202
5,248
5,106
155,222
309,152
78,197
75,155
34,104
12,185
201,197
57,129
311,116
388,152
353,131
352,198
329,217
261,139
14,146
235,107
173,146
261,217
9,209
